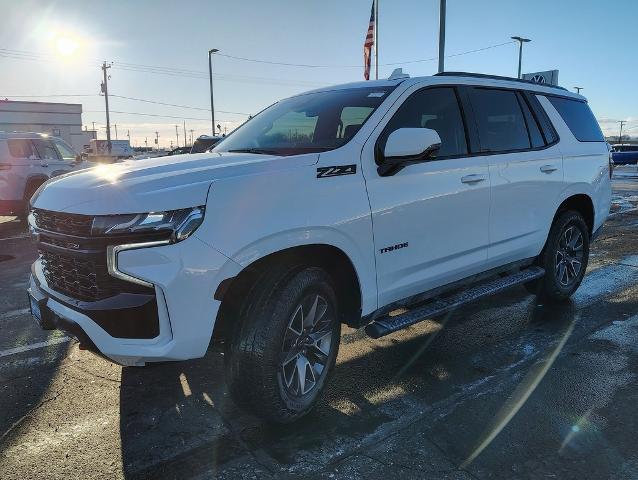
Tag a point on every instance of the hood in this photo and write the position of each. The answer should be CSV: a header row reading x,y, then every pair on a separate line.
x,y
154,184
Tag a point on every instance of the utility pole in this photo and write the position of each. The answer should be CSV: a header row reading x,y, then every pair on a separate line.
x,y
622,122
192,131
116,131
210,78
146,142
128,134
578,89
177,135
442,36
93,126
185,137
376,39
105,91
157,140
521,41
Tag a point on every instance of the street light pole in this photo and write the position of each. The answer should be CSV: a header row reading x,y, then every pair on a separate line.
x,y
622,122
442,36
210,78
520,41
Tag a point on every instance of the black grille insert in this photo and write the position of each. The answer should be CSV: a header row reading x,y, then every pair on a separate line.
x,y
74,262
78,277
67,223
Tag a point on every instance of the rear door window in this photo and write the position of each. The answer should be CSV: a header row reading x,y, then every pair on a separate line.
x,y
499,119
579,118
21,148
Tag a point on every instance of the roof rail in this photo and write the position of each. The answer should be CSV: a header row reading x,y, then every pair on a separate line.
x,y
495,77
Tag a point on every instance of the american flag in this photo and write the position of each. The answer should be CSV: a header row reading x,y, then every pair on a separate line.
x,y
367,46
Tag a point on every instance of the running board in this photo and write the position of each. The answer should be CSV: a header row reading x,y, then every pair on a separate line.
x,y
436,307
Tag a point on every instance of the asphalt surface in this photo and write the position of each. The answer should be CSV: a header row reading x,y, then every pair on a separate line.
x,y
506,388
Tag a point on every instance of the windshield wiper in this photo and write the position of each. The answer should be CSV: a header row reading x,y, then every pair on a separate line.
x,y
260,151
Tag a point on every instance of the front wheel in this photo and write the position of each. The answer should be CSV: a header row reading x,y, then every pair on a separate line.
x,y
564,258
283,350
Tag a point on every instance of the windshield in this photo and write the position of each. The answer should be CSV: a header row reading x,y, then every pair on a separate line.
x,y
315,122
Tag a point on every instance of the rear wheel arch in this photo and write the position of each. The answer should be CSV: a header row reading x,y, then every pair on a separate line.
x,y
233,291
581,203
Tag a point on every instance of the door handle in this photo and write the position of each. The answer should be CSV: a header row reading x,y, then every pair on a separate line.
x,y
44,164
548,168
473,178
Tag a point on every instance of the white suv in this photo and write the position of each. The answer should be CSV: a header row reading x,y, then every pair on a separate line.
x,y
27,160
341,205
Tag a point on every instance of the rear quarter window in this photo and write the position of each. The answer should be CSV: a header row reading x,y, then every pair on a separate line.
x,y
579,118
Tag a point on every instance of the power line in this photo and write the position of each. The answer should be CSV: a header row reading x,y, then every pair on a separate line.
x,y
125,98
198,73
156,115
306,65
159,70
176,105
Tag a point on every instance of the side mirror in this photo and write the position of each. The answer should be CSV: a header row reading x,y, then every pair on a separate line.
x,y
407,146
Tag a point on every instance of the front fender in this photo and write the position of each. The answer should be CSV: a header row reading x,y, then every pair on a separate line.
x,y
283,240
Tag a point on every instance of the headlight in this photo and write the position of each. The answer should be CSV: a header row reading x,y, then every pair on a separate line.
x,y
176,224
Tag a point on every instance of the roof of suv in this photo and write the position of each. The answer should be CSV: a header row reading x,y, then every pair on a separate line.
x,y
29,135
461,78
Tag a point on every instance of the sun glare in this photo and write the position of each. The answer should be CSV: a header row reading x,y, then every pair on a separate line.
x,y
66,46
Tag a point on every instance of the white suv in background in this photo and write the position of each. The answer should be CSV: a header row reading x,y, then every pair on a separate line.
x,y
340,205
27,160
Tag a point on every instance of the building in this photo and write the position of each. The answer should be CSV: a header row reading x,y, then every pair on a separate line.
x,y
58,119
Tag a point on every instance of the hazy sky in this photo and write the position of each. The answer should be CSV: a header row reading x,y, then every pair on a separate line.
x,y
592,43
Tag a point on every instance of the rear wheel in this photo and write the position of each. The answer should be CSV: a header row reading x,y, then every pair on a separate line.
x,y
285,344
564,258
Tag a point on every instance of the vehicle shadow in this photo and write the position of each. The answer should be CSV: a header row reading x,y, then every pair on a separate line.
x,y
178,417
25,377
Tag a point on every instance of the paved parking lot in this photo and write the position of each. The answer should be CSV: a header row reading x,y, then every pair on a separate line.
x,y
507,388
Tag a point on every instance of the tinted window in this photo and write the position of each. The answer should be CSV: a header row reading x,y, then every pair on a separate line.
x,y
500,122
579,118
313,122
351,120
534,130
46,149
65,151
435,108
21,148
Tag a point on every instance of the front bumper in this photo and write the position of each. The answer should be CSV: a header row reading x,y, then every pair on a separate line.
x,y
176,323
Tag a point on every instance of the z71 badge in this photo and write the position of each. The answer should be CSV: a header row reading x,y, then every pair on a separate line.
x,y
323,172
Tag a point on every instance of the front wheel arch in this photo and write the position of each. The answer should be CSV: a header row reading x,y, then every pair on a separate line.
x,y
333,260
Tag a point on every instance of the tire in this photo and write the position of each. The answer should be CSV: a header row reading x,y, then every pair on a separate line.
x,y
564,258
274,368
29,190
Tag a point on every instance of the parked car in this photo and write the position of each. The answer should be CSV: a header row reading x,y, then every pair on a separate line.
x,y
374,204
179,151
204,143
27,160
625,154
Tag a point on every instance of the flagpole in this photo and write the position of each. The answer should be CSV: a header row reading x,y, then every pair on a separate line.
x,y
442,36
376,39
